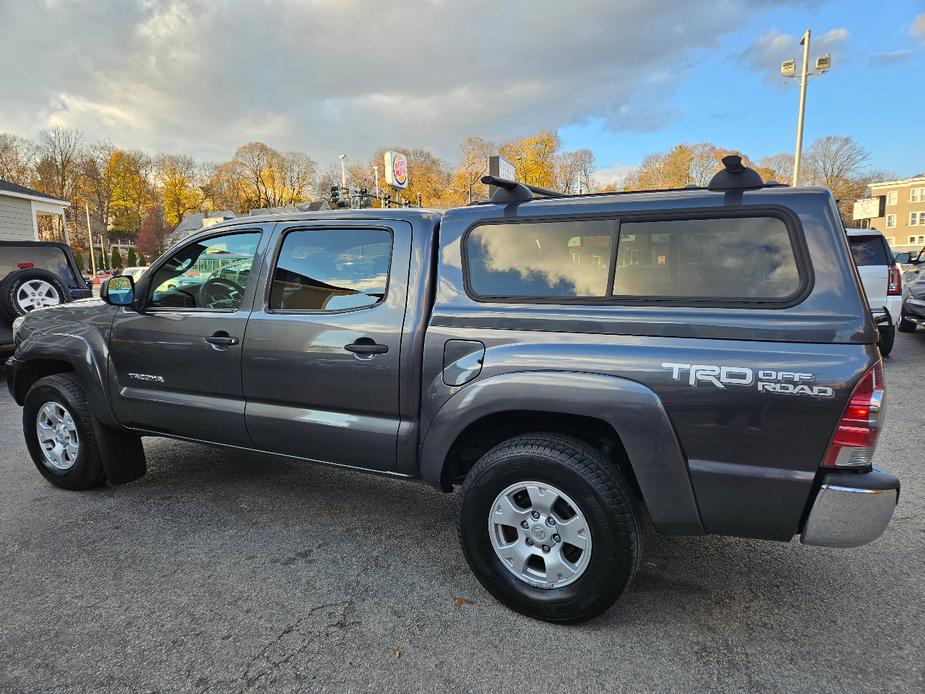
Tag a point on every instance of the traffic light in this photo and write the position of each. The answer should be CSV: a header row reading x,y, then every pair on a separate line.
x,y
335,195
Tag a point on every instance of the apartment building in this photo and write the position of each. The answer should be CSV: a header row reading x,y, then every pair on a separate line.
x,y
903,219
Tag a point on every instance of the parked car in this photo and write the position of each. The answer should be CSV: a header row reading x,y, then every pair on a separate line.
x,y
912,312
35,274
881,279
563,361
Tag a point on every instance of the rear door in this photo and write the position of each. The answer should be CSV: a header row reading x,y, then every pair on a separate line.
x,y
322,350
873,258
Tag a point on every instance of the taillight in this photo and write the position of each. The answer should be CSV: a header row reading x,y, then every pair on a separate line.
x,y
856,435
895,284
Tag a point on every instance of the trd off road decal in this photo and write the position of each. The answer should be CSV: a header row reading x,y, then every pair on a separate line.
x,y
764,380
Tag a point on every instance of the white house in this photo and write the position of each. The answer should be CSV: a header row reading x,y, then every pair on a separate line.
x,y
20,208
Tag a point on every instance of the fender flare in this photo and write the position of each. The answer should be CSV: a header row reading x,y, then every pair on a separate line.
x,y
89,366
634,411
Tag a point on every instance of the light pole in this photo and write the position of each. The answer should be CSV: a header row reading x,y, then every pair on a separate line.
x,y
376,170
788,69
343,170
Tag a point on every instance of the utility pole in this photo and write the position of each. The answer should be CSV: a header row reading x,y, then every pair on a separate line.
x,y
376,170
343,170
90,238
803,79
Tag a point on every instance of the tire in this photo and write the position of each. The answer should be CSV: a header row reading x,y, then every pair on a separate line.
x,y
17,300
586,482
887,338
905,325
49,398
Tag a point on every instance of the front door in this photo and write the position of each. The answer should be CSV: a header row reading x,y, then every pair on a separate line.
x,y
322,352
176,366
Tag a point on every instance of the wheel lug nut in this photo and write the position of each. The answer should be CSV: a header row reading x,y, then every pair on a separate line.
x,y
529,541
524,524
545,548
550,521
556,538
536,515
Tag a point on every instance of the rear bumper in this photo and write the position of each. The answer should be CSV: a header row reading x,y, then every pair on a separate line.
x,y
914,310
851,509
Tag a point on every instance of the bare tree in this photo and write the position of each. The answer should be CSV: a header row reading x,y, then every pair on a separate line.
x,y
778,166
97,182
839,164
17,157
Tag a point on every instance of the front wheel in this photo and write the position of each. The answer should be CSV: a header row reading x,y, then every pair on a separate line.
x,y
549,526
57,424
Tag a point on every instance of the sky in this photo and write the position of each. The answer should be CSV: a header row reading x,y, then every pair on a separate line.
x,y
621,77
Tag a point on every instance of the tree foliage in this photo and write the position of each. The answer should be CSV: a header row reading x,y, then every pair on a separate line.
x,y
131,260
153,232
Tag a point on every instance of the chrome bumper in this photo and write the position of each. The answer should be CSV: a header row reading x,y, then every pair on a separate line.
x,y
851,510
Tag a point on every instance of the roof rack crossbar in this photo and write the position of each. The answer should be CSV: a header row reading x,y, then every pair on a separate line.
x,y
512,191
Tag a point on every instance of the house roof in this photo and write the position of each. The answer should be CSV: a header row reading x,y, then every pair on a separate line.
x,y
16,191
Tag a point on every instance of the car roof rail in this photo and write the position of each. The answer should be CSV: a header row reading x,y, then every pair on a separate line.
x,y
512,191
735,176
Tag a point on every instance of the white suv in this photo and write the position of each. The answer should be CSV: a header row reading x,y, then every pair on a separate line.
x,y
881,279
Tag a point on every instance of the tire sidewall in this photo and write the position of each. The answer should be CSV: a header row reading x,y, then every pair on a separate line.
x,y
609,570
75,477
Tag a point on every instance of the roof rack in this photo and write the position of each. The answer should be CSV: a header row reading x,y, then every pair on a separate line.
x,y
512,191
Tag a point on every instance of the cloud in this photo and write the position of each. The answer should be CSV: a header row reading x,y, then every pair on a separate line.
x,y
616,174
326,77
766,53
917,28
891,58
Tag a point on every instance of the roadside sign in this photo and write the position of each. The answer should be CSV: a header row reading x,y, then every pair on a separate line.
x,y
867,208
396,170
500,168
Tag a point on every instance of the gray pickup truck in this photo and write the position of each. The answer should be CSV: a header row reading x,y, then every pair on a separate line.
x,y
703,356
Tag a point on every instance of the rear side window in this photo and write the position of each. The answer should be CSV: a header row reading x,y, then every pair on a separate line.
x,y
544,259
49,258
727,258
869,250
331,270
683,260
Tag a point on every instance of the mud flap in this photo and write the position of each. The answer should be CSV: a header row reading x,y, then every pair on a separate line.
x,y
123,456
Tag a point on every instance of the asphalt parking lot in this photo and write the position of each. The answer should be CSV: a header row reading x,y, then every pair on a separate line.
x,y
223,571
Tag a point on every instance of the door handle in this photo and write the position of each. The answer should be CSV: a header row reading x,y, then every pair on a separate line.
x,y
365,345
221,339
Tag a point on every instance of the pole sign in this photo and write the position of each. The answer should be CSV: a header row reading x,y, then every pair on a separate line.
x,y
867,208
396,170
500,168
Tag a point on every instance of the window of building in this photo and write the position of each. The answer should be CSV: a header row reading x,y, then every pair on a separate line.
x,y
695,260
917,239
891,221
891,197
331,270
916,218
917,195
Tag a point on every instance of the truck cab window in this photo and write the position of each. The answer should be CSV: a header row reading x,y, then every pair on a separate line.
x,y
331,270
209,274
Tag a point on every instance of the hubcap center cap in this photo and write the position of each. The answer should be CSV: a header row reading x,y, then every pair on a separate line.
x,y
538,532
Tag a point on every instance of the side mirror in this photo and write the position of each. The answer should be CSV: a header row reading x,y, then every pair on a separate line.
x,y
118,291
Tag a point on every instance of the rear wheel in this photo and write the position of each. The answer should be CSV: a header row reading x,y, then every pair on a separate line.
x,y
549,526
905,325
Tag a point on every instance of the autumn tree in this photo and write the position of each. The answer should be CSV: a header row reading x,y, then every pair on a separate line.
x,y
153,232
133,188
534,158
779,167
177,187
96,184
465,182
428,176
17,157
574,171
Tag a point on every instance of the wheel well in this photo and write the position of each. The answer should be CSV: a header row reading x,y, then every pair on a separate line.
x,y
33,370
486,433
